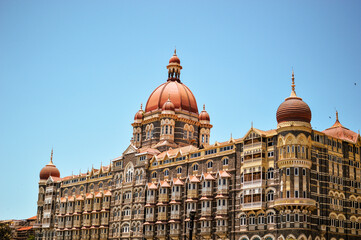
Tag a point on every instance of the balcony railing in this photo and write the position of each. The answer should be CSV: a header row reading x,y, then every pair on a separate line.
x,y
254,184
253,205
300,202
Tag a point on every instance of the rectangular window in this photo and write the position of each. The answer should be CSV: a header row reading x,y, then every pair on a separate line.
x,y
287,171
288,194
296,171
296,194
304,172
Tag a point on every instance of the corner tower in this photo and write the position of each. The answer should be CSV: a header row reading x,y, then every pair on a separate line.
x,y
294,155
171,118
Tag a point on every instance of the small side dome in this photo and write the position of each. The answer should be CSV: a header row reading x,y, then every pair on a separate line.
x,y
49,170
174,58
204,116
139,114
168,106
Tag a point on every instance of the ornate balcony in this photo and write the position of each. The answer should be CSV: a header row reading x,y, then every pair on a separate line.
x,y
302,203
253,206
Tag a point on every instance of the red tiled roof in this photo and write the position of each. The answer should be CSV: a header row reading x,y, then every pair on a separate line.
x,y
224,174
193,179
32,218
25,228
177,181
340,132
164,184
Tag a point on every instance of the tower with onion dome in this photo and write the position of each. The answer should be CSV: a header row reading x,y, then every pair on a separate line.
x,y
47,196
171,118
294,156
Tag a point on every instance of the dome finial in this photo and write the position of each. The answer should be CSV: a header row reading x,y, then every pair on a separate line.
x,y
337,116
204,107
175,51
51,157
293,93
141,106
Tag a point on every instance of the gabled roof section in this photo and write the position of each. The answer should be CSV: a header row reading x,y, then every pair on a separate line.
x,y
130,149
172,153
224,174
193,179
261,132
164,184
152,186
208,176
177,181
339,131
150,151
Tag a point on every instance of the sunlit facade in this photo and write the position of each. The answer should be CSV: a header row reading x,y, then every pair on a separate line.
x,y
291,182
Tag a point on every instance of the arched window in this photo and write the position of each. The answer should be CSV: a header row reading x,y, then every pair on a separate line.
x,y
270,195
261,218
270,217
252,219
225,161
154,175
243,220
166,172
195,167
179,170
210,164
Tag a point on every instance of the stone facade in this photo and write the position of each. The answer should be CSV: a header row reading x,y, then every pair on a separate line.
x,y
292,182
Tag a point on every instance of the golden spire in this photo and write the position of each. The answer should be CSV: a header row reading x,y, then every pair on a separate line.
x,y
175,51
293,93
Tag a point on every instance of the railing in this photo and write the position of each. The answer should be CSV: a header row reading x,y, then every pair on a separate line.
x,y
221,229
206,211
192,193
163,198
254,184
176,196
253,205
175,232
247,147
207,191
206,230
303,202
175,214
221,210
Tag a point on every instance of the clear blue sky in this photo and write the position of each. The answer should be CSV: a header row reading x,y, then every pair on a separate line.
x,y
73,74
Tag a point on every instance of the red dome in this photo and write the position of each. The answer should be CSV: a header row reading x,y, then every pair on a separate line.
x,y
294,109
168,106
174,59
178,93
204,116
139,115
49,170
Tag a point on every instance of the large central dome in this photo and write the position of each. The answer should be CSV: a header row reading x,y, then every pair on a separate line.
x,y
178,93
